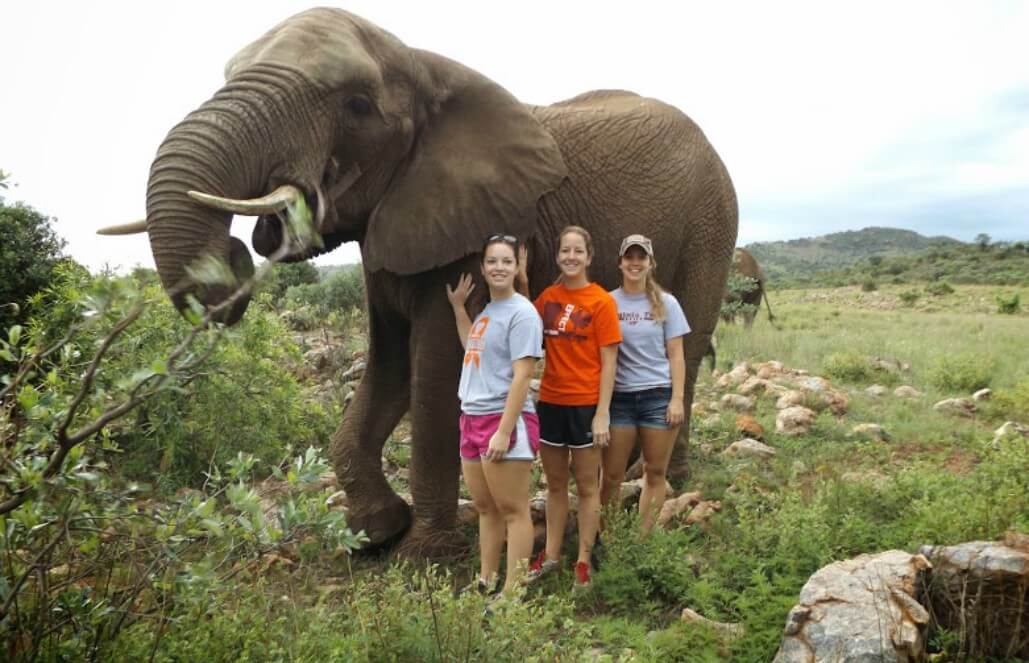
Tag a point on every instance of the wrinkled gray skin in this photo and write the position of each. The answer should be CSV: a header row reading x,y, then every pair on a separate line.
x,y
447,157
745,264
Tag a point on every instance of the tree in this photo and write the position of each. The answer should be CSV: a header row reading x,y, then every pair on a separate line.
x,y
28,254
286,275
983,240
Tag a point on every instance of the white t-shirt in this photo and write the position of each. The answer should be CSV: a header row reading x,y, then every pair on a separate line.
x,y
642,356
505,331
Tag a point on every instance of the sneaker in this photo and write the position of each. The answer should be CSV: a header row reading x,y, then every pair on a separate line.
x,y
480,586
582,576
540,567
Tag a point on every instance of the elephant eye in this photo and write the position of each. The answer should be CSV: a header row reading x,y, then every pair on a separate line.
x,y
359,106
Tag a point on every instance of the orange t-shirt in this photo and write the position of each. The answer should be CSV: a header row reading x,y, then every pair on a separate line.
x,y
576,324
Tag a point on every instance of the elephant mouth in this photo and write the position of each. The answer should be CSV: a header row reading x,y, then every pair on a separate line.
x,y
270,237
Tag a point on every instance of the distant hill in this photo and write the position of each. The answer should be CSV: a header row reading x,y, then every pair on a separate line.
x,y
788,259
889,255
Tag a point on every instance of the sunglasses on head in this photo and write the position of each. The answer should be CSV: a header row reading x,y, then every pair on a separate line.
x,y
500,237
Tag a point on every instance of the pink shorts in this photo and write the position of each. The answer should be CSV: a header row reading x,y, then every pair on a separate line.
x,y
477,429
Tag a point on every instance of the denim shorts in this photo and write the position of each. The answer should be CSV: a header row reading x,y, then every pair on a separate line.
x,y
647,408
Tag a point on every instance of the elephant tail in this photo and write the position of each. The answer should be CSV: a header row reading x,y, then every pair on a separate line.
x,y
764,293
710,354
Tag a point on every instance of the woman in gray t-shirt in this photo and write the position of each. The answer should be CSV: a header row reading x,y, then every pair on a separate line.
x,y
649,380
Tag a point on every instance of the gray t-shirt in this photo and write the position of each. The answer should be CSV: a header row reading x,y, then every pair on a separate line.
x,y
505,331
642,356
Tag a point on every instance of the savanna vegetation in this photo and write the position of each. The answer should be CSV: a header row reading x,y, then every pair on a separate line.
x,y
164,494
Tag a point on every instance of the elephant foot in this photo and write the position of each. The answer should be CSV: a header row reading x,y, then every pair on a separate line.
x,y
384,521
425,542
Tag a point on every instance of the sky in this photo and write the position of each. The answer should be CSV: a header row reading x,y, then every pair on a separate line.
x,y
830,116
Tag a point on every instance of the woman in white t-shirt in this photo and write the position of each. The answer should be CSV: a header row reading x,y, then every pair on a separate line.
x,y
649,380
499,428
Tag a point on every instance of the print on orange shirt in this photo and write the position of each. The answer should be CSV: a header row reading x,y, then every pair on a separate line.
x,y
567,320
476,342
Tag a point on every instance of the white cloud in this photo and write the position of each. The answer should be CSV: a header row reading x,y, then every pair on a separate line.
x,y
811,105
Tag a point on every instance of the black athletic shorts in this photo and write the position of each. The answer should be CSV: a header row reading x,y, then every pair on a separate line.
x,y
566,425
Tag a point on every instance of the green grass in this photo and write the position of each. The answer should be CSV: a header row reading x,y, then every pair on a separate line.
x,y
826,496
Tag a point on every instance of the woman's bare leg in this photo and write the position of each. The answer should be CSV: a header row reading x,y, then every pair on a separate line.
x,y
555,467
616,457
491,523
508,482
656,445
586,468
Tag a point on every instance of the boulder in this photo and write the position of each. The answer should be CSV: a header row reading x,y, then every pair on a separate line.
x,y
814,383
796,420
861,609
739,373
703,511
756,386
961,407
1009,429
749,426
672,509
980,592
872,432
877,391
982,395
732,631
355,371
748,448
769,369
906,391
737,402
790,399
467,514
837,401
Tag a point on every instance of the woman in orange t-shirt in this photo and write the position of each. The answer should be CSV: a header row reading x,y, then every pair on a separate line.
x,y
581,333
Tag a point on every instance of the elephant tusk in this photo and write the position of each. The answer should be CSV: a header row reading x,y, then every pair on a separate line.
x,y
133,228
276,201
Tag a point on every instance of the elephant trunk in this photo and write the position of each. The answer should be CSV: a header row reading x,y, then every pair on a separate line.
x,y
222,148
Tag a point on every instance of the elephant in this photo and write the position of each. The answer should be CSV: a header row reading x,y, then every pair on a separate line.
x,y
418,158
744,264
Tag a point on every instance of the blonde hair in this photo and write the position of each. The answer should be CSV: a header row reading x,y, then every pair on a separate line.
x,y
653,290
587,239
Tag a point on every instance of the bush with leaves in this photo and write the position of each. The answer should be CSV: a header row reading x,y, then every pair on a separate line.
x,y
339,293
85,555
245,399
29,251
738,287
1008,305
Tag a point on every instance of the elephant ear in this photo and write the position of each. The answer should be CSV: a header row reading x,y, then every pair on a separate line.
x,y
479,164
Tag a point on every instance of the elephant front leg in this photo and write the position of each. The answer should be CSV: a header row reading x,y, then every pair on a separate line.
x,y
356,453
435,463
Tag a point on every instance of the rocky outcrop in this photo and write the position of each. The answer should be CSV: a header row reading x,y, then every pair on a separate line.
x,y
871,432
980,592
906,391
961,407
862,609
749,448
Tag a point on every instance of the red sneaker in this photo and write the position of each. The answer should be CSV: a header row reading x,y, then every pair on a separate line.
x,y
582,575
540,567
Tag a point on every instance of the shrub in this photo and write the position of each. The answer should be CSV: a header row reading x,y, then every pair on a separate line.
x,y
1008,305
909,297
939,289
1012,403
29,252
847,366
965,372
869,285
341,291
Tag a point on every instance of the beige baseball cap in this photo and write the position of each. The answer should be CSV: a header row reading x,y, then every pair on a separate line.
x,y
636,240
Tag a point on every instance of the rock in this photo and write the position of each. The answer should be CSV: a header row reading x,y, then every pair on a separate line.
x,y
814,383
737,402
467,514
355,371
980,591
733,631
862,609
629,493
677,506
982,395
905,391
790,399
749,426
796,420
703,511
877,391
837,401
961,407
754,384
872,432
1009,429
337,500
1016,540
748,448
317,358
769,369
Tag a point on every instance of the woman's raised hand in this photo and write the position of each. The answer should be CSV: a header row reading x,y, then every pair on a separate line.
x,y
459,294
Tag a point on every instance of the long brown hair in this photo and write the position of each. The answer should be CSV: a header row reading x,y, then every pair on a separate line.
x,y
586,237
